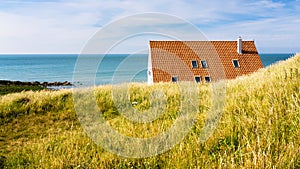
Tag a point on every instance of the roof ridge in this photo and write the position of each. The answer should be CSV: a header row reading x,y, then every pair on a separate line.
x,y
198,40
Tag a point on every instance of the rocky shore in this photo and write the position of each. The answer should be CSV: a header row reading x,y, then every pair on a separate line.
x,y
36,83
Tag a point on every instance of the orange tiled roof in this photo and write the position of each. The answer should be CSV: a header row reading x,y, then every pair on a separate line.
x,y
173,58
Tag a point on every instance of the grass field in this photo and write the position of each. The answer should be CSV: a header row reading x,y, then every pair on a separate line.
x,y
258,129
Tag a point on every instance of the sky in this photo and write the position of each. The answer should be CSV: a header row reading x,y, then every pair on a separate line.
x,y
65,26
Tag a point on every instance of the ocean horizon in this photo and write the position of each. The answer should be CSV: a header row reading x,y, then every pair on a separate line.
x,y
60,67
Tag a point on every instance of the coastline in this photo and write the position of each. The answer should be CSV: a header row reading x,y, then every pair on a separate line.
x,y
7,86
35,83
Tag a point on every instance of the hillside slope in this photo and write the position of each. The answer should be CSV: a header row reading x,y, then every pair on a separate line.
x,y
258,129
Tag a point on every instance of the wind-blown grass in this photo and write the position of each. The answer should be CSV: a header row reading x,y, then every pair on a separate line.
x,y
258,129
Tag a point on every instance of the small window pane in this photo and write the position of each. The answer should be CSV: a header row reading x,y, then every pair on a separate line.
x,y
198,79
174,79
204,64
236,63
194,64
207,79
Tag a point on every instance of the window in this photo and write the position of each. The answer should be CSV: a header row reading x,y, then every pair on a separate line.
x,y
174,79
194,64
207,79
198,79
236,63
204,64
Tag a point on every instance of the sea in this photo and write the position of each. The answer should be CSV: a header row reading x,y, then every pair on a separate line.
x,y
63,67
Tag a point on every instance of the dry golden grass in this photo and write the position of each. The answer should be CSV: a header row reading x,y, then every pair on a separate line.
x,y
258,129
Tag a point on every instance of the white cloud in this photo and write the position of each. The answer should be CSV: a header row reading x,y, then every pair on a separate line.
x,y
266,4
44,28
65,26
271,35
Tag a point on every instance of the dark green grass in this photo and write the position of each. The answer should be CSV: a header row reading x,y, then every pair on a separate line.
x,y
7,89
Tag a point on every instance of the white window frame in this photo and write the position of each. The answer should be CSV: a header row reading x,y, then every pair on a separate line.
x,y
237,63
176,77
205,64
199,78
196,64
206,80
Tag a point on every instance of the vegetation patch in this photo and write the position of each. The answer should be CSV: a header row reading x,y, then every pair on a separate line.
x,y
6,89
258,129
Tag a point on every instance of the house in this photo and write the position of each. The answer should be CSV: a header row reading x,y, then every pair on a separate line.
x,y
201,61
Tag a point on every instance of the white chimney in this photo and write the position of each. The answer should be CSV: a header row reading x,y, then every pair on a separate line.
x,y
239,45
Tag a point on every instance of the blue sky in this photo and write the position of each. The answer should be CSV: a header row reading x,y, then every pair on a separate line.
x,y
64,26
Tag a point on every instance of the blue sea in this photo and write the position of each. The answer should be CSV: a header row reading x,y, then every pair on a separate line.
x,y
60,67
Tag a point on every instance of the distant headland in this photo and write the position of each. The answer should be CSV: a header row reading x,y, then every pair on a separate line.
x,y
7,86
35,83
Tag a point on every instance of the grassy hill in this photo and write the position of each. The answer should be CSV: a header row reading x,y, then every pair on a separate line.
x,y
258,129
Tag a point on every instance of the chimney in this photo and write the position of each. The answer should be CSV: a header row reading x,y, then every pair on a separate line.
x,y
239,45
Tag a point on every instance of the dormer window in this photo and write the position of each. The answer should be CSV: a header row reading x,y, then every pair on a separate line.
x,y
204,64
174,79
198,79
236,63
194,64
207,79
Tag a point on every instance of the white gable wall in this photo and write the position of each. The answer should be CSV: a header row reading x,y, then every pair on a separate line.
x,y
150,72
